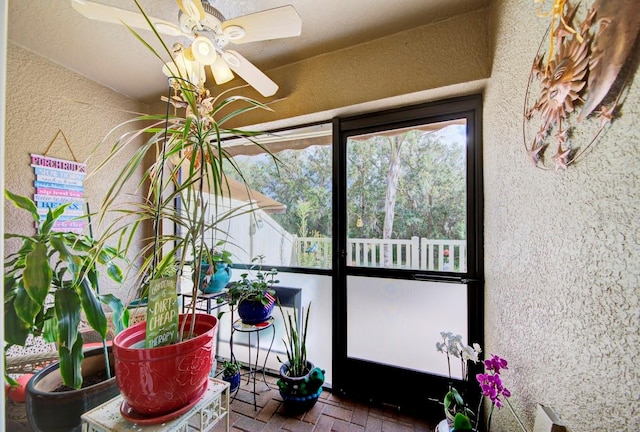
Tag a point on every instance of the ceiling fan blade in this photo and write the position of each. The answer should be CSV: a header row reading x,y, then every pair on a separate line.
x,y
100,12
251,74
274,23
192,8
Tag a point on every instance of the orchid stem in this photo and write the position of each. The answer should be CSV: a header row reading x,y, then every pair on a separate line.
x,y
515,415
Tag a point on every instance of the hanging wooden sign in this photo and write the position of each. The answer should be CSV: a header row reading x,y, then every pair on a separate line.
x,y
58,182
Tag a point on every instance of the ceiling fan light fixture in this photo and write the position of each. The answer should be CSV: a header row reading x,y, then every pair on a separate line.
x,y
221,72
203,50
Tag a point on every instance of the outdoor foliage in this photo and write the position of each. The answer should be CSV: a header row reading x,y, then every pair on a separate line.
x,y
431,187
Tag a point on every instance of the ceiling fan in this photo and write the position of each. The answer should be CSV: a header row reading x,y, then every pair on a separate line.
x,y
210,33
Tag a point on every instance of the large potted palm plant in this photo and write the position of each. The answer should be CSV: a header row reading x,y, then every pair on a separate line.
x,y
50,285
185,184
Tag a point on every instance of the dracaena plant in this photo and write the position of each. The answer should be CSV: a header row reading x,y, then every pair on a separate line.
x,y
295,343
51,284
183,162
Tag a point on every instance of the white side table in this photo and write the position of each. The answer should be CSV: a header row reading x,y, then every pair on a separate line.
x,y
212,408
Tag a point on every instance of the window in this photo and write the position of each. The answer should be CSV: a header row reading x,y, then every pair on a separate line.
x,y
292,224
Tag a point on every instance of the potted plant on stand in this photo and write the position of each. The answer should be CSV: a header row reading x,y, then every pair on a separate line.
x,y
50,283
187,186
254,298
215,270
300,382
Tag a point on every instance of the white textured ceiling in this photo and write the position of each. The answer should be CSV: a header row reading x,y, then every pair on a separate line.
x,y
111,55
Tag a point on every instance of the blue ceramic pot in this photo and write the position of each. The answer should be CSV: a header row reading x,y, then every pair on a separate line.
x,y
233,380
213,283
254,312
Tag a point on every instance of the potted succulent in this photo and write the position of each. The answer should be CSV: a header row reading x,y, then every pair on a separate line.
x,y
300,382
188,166
49,284
254,298
231,374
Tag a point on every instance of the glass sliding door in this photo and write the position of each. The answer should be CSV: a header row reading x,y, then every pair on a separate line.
x,y
409,233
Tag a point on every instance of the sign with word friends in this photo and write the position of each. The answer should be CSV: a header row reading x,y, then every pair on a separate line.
x,y
162,312
59,182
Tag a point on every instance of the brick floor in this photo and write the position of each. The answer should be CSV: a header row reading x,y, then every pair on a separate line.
x,y
330,413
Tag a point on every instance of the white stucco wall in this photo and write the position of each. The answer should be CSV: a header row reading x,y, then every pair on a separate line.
x,y
562,252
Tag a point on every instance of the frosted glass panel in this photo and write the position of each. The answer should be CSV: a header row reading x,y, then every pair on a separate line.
x,y
398,322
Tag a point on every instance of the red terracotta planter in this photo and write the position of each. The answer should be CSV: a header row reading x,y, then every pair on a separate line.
x,y
157,381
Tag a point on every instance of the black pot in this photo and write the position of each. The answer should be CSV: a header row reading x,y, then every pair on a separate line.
x,y
300,394
49,411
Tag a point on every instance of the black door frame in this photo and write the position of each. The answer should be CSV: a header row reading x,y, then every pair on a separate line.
x,y
372,382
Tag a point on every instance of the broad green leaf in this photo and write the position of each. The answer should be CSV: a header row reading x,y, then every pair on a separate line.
x,y
37,273
114,272
50,330
15,329
461,423
70,364
23,203
52,217
25,307
119,315
67,309
58,244
92,308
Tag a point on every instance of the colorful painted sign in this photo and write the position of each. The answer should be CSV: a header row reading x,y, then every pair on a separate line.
x,y
162,312
59,182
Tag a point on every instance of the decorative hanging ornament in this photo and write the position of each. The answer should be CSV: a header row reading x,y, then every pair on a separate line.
x,y
586,67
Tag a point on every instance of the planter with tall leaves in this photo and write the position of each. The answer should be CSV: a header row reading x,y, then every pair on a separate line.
x,y
50,285
188,164
300,382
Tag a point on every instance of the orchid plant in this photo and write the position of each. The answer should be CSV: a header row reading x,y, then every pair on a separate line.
x,y
492,387
456,410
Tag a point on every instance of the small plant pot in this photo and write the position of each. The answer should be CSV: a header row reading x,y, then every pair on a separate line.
x,y
233,380
300,394
254,312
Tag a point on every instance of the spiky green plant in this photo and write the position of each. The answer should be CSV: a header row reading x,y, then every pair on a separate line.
x,y
295,343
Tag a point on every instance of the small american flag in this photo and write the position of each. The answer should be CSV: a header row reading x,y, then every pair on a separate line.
x,y
271,299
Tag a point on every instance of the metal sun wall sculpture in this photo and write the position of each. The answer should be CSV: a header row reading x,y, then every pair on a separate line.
x,y
580,80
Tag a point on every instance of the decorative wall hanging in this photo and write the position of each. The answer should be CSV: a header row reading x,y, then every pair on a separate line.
x,y
581,79
58,182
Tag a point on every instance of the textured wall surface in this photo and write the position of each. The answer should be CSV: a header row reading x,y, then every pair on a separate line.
x,y
562,253
43,98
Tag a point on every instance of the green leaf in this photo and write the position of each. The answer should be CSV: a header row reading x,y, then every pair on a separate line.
x,y
52,217
92,308
37,273
70,362
114,272
25,307
23,203
67,309
461,423
15,329
457,397
119,315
